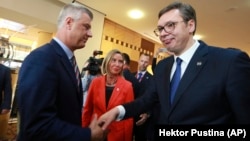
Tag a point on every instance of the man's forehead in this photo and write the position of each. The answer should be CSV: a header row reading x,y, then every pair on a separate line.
x,y
170,16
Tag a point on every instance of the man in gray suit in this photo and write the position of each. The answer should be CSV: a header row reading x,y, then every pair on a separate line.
x,y
213,83
49,95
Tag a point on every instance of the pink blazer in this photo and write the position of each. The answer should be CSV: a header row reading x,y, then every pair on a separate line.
x,y
95,103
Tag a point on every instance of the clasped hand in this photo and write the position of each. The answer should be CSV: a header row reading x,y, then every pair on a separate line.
x,y
99,128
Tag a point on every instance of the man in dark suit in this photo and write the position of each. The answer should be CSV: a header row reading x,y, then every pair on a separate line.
x,y
214,82
142,119
5,98
49,95
6,89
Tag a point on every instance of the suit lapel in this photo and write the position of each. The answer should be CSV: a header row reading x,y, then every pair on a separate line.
x,y
66,64
195,65
165,84
146,76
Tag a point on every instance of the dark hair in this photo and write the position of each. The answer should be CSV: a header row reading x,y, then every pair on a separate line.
x,y
187,11
126,58
94,65
144,54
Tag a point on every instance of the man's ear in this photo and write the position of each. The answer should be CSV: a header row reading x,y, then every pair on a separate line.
x,y
192,26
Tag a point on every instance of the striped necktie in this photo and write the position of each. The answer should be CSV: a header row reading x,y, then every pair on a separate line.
x,y
77,73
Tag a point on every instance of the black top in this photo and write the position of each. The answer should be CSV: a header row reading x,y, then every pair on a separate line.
x,y
109,90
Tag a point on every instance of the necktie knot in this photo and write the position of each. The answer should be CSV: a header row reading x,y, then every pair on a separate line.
x,y
178,61
139,76
73,61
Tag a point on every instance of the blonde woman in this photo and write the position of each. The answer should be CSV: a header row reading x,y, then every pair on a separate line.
x,y
106,92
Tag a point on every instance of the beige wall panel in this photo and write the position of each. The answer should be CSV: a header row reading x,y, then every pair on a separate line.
x,y
120,48
124,39
128,51
137,41
106,46
109,28
43,38
119,34
134,55
129,38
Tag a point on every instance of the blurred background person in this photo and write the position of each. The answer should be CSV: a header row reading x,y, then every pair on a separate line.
x,y
108,91
128,74
141,122
91,70
6,89
5,98
156,54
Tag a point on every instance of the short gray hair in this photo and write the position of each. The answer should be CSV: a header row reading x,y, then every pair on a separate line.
x,y
72,10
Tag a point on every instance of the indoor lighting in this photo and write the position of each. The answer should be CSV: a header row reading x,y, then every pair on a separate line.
x,y
14,26
135,14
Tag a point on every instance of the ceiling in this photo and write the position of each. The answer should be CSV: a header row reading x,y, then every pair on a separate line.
x,y
222,23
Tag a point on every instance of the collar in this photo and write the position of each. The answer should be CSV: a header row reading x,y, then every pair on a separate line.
x,y
187,55
68,52
143,72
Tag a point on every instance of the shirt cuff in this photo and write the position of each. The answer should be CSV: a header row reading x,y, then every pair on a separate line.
x,y
121,113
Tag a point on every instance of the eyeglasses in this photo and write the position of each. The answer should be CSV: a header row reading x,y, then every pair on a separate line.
x,y
168,27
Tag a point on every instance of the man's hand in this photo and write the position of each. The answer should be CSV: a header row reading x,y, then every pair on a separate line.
x,y
105,120
97,133
143,119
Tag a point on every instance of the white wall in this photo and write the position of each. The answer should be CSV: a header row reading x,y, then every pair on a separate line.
x,y
93,43
43,14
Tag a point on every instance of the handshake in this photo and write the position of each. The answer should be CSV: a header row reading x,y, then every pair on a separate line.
x,y
99,127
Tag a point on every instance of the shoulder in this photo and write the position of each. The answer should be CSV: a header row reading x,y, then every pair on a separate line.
x,y
4,70
216,50
134,73
223,55
46,54
148,74
166,62
4,67
98,79
122,81
226,54
42,52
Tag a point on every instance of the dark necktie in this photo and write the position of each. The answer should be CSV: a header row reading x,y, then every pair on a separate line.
x,y
77,73
139,77
175,80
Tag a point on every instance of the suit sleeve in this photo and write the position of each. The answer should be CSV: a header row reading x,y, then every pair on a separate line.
x,y
39,88
130,93
237,88
143,103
